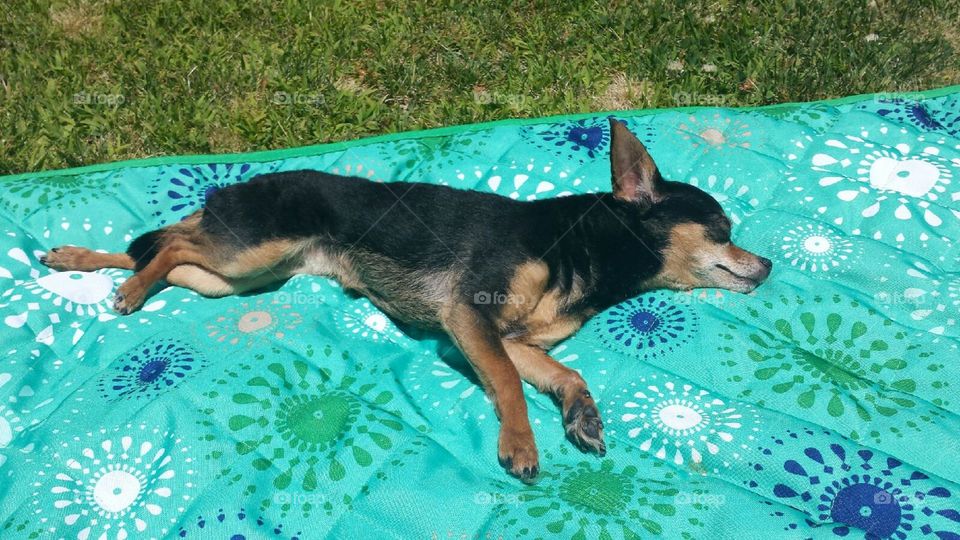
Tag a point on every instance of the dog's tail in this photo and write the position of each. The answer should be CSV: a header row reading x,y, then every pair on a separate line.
x,y
145,247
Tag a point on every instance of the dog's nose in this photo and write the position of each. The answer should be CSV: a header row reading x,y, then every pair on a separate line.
x,y
767,263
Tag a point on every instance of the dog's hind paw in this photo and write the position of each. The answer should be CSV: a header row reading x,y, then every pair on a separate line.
x,y
129,297
66,258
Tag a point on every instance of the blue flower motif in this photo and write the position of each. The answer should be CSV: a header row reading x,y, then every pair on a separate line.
x,y
234,526
576,140
151,368
646,327
909,111
864,493
182,190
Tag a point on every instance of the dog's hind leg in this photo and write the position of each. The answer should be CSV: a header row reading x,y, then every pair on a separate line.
x,y
178,251
213,285
581,418
238,270
86,260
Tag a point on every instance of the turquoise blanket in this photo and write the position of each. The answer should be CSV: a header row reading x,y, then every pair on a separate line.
x,y
826,404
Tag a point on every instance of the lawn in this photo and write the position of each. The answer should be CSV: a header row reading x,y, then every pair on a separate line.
x,y
84,82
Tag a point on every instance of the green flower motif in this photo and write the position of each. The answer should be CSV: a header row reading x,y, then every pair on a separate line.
x,y
606,500
312,430
433,153
816,116
830,361
58,192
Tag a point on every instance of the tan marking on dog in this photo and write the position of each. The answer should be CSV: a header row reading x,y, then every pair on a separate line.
x,y
540,311
213,285
679,257
201,280
261,258
527,287
85,260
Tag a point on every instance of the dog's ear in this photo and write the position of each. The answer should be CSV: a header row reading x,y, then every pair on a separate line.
x,y
635,175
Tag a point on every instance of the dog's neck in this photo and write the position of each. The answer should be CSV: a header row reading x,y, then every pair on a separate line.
x,y
607,244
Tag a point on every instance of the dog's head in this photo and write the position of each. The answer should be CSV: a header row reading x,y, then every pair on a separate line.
x,y
694,248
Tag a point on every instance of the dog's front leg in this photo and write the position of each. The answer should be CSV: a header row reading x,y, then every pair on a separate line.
x,y
581,418
478,339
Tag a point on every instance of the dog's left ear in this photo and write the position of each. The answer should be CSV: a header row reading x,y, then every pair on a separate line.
x,y
635,175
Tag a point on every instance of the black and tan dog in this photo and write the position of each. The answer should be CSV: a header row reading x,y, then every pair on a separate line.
x,y
505,279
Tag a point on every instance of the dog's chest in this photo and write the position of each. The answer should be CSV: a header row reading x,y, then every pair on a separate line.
x,y
541,316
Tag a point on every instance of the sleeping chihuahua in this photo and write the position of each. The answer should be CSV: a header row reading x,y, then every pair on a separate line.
x,y
505,279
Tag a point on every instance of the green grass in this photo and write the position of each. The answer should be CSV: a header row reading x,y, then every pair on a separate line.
x,y
84,82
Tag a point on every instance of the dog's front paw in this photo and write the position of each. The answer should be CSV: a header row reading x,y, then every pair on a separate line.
x,y
581,419
518,453
129,297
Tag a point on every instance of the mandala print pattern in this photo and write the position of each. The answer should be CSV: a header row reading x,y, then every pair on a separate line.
x,y
929,295
60,304
679,423
364,321
132,482
433,154
529,181
915,113
359,170
601,500
816,248
860,494
150,369
236,525
883,185
646,327
714,132
733,196
177,192
11,425
307,429
249,323
815,116
57,193
854,370
576,140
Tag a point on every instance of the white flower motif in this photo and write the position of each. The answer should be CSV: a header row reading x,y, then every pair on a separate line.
x,y
523,181
929,295
681,423
815,247
114,485
733,196
40,297
11,425
82,293
368,322
909,179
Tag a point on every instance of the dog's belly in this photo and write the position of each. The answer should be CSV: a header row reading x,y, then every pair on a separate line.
x,y
413,296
